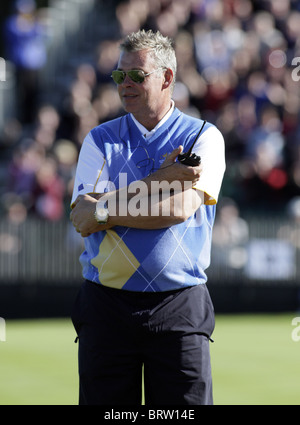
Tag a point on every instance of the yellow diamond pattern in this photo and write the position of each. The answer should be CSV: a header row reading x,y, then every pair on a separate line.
x,y
115,262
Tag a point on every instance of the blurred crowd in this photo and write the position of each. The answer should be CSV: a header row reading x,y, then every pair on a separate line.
x,y
235,69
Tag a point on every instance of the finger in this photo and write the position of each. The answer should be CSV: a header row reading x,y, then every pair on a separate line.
x,y
72,218
173,155
73,205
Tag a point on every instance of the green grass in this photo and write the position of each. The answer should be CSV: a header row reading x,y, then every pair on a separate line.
x,y
254,361
38,363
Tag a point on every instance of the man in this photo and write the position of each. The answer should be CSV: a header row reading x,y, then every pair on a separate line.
x,y
26,47
147,222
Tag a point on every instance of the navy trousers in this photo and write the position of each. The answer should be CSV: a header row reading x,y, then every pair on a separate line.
x,y
121,333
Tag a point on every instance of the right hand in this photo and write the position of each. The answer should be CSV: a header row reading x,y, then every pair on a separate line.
x,y
171,170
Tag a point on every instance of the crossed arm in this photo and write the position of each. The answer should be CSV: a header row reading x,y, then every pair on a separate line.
x,y
164,209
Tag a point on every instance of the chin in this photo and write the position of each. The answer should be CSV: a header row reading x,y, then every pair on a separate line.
x,y
130,108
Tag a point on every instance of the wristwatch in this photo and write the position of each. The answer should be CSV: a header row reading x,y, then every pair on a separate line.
x,y
101,212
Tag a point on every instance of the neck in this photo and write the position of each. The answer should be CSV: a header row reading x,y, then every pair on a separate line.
x,y
153,118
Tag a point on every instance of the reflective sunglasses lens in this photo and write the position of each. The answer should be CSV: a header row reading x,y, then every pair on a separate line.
x,y
137,76
118,76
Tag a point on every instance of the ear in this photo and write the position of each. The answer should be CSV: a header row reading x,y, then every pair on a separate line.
x,y
168,78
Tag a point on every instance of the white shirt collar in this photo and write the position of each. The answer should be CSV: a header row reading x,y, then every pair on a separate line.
x,y
146,133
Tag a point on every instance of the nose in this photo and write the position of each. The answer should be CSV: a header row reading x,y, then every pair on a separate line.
x,y
127,81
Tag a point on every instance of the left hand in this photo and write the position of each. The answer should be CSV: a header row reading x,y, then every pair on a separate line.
x,y
82,215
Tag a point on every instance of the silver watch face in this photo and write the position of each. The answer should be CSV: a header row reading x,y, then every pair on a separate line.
x,y
101,212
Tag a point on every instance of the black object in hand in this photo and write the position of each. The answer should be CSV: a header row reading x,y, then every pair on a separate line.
x,y
190,158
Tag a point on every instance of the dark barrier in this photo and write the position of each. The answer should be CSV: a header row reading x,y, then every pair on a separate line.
x,y
47,301
257,270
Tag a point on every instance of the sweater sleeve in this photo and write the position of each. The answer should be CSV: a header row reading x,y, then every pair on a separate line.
x,y
92,172
211,148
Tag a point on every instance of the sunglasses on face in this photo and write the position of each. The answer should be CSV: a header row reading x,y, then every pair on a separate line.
x,y
136,75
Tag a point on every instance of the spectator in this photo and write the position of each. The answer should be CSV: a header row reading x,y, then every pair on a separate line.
x,y
49,191
230,237
25,48
234,69
27,160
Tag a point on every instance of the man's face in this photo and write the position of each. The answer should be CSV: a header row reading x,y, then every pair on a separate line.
x,y
147,98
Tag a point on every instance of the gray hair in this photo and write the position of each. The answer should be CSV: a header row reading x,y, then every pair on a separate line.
x,y
161,48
